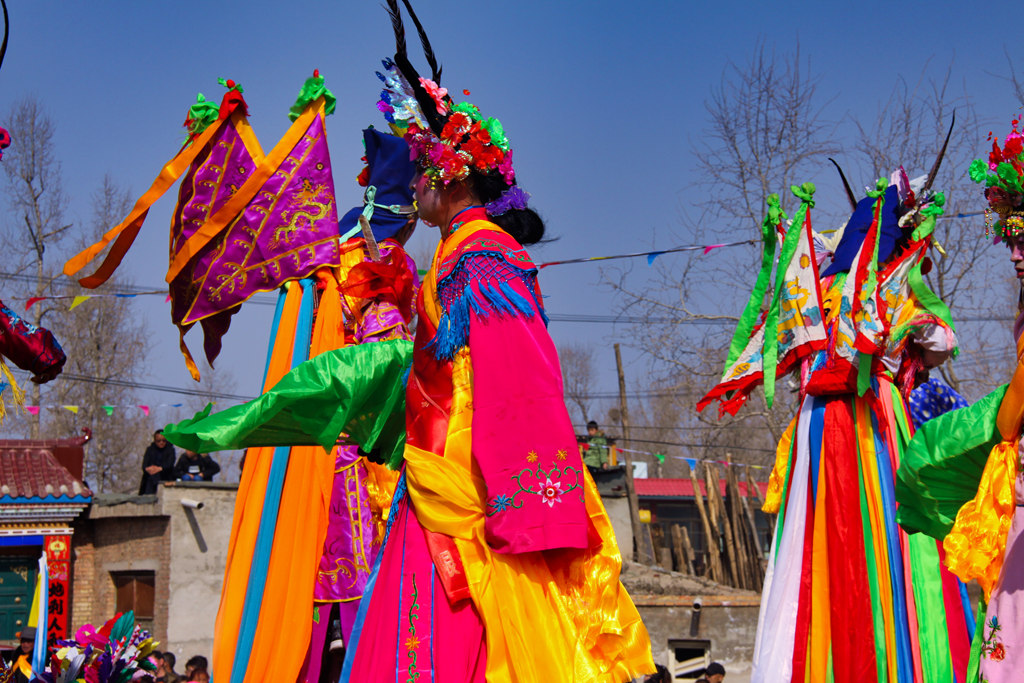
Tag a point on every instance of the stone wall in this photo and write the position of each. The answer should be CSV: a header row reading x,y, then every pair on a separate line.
x,y
199,546
132,537
186,549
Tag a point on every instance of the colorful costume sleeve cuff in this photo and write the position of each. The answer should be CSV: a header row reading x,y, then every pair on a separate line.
x,y
357,390
523,440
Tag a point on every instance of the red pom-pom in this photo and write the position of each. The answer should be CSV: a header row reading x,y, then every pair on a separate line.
x,y
316,73
231,84
926,266
465,92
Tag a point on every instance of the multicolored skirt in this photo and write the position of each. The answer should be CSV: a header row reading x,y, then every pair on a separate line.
x,y
848,595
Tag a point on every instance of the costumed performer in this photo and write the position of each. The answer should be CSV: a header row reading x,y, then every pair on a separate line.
x,y
847,595
962,480
377,286
499,561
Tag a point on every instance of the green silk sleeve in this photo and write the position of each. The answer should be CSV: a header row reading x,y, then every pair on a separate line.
x,y
942,466
358,391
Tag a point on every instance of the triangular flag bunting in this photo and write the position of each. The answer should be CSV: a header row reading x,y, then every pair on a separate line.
x,y
80,299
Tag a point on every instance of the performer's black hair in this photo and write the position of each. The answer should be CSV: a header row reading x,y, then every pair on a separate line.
x,y
525,225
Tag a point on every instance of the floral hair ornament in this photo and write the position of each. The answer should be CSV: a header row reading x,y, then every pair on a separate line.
x,y
447,140
514,197
1003,176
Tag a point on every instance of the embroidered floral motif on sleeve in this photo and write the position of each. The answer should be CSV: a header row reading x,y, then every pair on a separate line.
x,y
549,483
991,648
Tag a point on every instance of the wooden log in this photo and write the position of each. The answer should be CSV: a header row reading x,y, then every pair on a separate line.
x,y
641,536
683,553
743,569
712,477
665,558
713,560
690,556
755,491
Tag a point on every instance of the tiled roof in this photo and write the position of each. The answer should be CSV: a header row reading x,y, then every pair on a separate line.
x,y
29,472
683,488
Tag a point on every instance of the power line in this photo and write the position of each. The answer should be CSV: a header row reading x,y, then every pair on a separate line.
x,y
149,387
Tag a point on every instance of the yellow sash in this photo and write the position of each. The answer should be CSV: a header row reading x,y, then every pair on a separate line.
x,y
976,546
571,619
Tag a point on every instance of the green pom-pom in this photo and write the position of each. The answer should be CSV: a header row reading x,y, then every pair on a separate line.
x,y
313,89
804,193
498,139
201,115
1009,177
880,186
469,109
979,170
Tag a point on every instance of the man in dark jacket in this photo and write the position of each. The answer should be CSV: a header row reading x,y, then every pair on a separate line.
x,y
157,464
195,467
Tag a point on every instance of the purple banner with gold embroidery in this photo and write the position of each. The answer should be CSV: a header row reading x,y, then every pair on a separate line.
x,y
215,176
288,229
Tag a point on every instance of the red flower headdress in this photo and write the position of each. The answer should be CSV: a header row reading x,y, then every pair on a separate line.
x,y
447,140
1003,176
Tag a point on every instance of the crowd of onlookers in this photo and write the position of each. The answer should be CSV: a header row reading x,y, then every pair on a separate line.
x,y
196,669
160,463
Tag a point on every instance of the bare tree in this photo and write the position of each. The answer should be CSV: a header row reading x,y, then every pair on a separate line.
x,y
37,203
578,379
104,341
766,131
909,130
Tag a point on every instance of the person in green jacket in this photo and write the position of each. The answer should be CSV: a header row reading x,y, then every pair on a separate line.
x,y
596,456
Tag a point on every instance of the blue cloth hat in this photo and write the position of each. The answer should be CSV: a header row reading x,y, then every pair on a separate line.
x,y
857,230
388,200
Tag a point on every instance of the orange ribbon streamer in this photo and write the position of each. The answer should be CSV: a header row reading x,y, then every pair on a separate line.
x,y
127,230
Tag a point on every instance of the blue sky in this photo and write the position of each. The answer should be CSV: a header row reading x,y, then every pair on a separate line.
x,y
602,102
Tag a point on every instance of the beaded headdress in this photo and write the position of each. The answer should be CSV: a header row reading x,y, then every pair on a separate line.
x,y
447,140
1003,176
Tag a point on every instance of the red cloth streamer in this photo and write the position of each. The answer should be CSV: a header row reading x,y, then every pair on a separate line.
x,y
369,280
232,100
853,649
32,410
34,300
712,247
145,410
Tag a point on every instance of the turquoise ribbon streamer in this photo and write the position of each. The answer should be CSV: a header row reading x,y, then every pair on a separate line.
x,y
753,308
271,505
770,360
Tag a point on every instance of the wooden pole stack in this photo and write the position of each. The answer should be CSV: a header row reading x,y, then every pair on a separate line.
x,y
713,561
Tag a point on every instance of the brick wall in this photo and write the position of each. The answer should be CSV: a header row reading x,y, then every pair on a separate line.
x,y
101,546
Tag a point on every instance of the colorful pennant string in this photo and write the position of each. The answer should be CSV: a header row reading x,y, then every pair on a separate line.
x,y
651,255
108,409
692,462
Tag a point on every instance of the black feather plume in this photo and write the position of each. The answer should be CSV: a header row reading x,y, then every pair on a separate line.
x,y
396,23
849,192
426,102
938,161
428,52
3,46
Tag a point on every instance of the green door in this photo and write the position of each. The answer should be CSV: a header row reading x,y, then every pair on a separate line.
x,y
17,585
